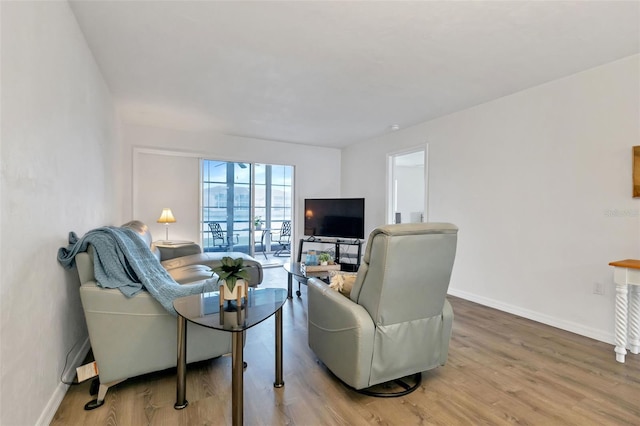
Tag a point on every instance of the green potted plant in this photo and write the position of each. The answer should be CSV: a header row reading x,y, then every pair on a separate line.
x,y
232,273
324,258
257,221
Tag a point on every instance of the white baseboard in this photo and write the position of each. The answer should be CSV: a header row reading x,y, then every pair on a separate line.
x,y
562,324
61,390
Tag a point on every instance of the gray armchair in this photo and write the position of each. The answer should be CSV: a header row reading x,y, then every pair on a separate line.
x,y
397,321
134,336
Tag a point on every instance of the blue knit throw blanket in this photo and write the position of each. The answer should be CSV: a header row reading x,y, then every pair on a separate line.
x,y
124,261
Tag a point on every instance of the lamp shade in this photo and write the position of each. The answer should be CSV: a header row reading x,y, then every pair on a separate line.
x,y
166,216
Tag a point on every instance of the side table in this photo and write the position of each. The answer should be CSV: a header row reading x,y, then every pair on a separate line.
x,y
176,248
626,275
204,309
172,243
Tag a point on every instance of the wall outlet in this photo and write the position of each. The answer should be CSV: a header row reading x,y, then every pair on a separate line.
x,y
598,288
87,371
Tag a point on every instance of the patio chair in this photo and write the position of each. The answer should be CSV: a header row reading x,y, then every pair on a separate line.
x,y
284,239
225,240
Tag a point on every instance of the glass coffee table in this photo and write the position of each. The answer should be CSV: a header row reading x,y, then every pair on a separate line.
x,y
294,269
204,309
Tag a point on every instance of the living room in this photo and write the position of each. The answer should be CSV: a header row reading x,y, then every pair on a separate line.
x,y
537,179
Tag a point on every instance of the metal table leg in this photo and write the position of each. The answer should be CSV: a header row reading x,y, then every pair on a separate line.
x,y
237,381
279,379
181,401
290,286
264,249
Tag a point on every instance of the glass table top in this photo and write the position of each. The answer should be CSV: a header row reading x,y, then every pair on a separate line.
x,y
297,270
204,309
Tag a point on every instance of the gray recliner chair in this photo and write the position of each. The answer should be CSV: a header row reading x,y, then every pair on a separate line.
x,y
396,321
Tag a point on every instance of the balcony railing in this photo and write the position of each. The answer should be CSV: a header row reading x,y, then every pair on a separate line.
x,y
239,238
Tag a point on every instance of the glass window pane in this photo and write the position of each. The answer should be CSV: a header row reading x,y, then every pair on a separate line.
x,y
286,197
215,171
242,173
288,173
278,175
261,173
260,196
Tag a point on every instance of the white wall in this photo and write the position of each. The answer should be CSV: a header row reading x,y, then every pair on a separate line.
x,y
539,183
58,158
165,173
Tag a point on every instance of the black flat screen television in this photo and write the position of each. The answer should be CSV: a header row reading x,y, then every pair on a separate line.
x,y
334,217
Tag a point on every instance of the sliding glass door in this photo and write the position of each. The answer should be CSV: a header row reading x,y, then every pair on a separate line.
x,y
279,195
226,206
244,205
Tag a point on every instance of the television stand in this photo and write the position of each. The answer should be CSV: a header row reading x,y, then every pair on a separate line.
x,y
337,242
294,269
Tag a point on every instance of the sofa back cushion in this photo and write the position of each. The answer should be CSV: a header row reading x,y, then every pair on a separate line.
x,y
143,230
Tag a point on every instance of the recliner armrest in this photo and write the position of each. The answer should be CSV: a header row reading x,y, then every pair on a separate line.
x,y
332,310
341,333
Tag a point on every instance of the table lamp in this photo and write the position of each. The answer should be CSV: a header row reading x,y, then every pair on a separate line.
x,y
166,217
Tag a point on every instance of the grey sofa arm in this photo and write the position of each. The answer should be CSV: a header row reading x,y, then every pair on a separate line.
x,y
211,260
136,335
167,253
341,333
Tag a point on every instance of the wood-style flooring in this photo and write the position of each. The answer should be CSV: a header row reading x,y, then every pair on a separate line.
x,y
502,369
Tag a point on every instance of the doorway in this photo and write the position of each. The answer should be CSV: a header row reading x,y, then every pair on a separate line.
x,y
407,189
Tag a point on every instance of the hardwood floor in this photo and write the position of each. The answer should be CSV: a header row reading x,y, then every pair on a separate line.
x,y
502,369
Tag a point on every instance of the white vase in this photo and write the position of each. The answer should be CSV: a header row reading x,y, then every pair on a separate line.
x,y
238,290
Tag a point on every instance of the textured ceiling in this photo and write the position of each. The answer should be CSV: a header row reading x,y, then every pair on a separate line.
x,y
335,73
